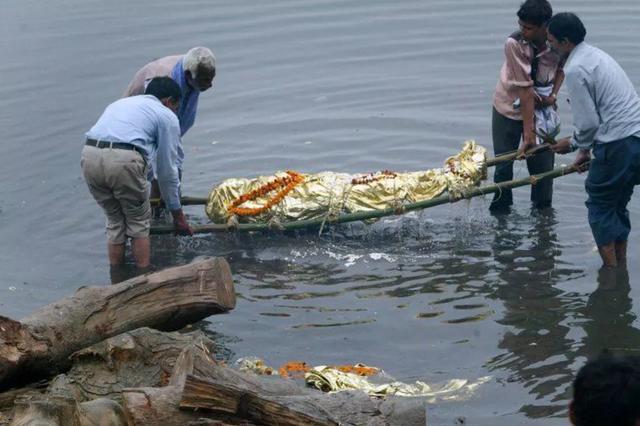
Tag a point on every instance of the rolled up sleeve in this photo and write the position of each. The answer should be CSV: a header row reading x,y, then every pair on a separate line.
x,y
518,64
586,119
167,161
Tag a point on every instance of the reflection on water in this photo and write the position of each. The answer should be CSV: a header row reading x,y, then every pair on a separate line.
x,y
400,278
536,312
313,294
607,318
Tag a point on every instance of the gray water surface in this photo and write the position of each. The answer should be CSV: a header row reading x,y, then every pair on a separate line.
x,y
352,86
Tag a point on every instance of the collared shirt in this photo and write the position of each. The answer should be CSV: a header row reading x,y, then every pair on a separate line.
x,y
604,102
169,66
516,73
144,122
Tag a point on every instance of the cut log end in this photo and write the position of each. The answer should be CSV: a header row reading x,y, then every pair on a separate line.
x,y
40,345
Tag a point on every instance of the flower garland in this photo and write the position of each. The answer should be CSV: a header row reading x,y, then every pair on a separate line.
x,y
287,183
372,177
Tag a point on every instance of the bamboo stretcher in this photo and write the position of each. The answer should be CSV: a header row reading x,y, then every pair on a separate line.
x,y
376,214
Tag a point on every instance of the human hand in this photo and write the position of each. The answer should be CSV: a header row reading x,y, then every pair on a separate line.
x,y
528,144
562,146
180,223
582,158
545,101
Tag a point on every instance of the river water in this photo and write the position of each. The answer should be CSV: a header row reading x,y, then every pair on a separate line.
x,y
317,85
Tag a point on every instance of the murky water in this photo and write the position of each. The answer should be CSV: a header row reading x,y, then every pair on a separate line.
x,y
318,85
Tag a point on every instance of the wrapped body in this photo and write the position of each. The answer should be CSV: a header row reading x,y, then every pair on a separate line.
x,y
329,193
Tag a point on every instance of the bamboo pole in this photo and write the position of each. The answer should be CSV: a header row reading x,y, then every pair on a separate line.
x,y
353,217
512,156
185,201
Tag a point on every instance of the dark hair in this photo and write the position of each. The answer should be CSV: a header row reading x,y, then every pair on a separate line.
x,y
606,391
536,12
163,87
567,25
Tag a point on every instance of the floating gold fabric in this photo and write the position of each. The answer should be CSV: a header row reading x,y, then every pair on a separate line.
x,y
329,379
329,193
371,380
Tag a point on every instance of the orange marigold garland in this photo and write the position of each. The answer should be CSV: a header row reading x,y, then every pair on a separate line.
x,y
372,177
287,183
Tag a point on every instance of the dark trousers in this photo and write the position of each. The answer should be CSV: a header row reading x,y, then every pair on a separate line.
x,y
507,134
613,172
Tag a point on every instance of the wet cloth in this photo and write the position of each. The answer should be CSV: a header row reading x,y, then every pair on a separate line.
x,y
371,380
547,120
516,73
613,173
143,121
189,100
604,102
169,66
330,379
117,180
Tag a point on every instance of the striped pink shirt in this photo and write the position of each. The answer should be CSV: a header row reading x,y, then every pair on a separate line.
x,y
515,73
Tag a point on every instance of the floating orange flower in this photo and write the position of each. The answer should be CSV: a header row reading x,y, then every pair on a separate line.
x,y
295,369
372,177
287,183
359,369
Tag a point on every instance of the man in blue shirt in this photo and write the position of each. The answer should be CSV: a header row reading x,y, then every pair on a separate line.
x,y
606,118
115,159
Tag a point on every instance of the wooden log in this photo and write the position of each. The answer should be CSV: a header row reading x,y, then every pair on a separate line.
x,y
343,408
57,410
40,345
140,358
161,405
230,399
63,411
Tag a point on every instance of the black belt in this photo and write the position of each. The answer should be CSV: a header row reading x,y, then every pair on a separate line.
x,y
114,145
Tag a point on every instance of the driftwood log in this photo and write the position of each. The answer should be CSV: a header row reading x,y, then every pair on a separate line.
x,y
141,358
40,345
316,408
92,388
58,410
161,405
219,393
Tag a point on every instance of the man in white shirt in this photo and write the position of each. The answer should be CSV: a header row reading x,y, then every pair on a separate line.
x,y
606,118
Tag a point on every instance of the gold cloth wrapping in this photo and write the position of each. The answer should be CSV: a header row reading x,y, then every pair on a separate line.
x,y
329,193
329,379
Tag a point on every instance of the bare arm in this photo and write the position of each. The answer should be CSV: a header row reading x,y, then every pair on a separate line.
x,y
527,106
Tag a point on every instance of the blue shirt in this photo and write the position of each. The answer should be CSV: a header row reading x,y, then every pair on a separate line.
x,y
144,122
604,103
189,101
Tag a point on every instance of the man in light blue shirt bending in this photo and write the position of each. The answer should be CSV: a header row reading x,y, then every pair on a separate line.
x,y
606,118
115,159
